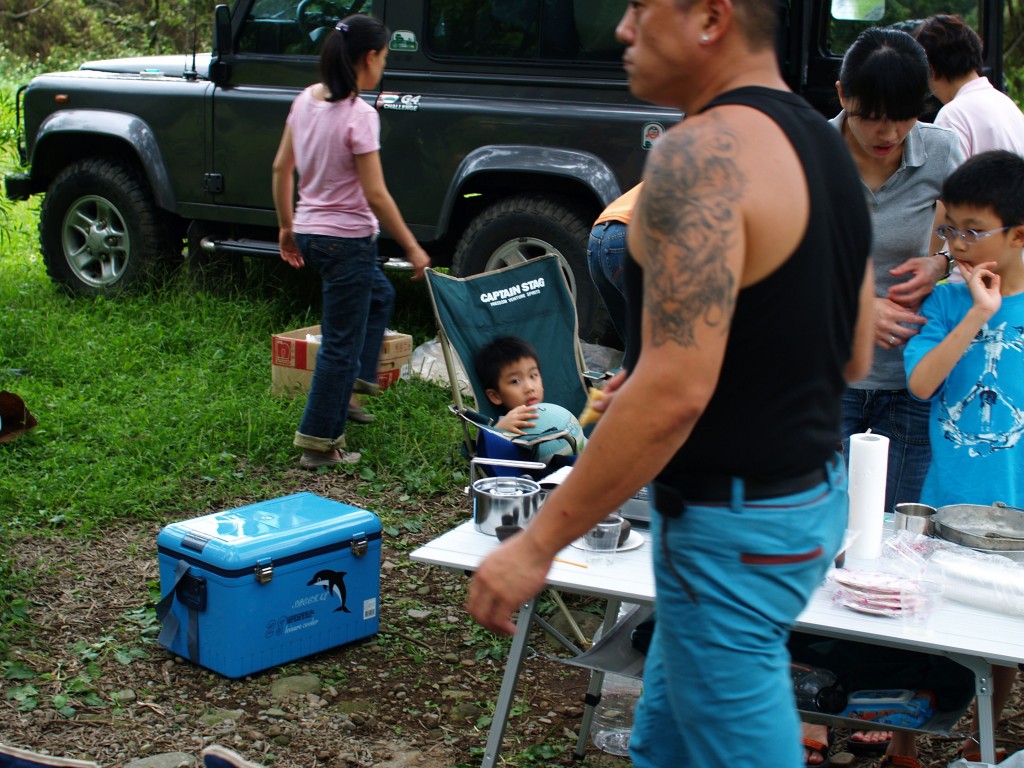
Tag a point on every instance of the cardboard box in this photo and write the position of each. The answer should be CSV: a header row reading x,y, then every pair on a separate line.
x,y
293,359
262,585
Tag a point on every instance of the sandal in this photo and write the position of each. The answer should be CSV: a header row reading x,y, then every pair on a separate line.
x,y
821,748
861,748
899,761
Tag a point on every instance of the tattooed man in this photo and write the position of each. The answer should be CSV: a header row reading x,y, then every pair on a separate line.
x,y
749,306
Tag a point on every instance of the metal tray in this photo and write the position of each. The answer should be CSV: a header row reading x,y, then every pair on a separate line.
x,y
995,528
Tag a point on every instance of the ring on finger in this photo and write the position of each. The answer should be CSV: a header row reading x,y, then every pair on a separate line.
x,y
892,341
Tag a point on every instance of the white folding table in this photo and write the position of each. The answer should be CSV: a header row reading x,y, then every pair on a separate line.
x,y
973,637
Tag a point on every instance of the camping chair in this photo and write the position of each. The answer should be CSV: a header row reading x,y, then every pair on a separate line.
x,y
530,300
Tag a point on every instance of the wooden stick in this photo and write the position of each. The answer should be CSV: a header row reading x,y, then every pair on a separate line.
x,y
570,562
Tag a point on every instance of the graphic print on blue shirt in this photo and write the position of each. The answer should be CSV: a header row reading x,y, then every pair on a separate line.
x,y
986,419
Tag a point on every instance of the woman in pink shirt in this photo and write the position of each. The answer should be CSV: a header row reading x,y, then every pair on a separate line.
x,y
983,117
332,138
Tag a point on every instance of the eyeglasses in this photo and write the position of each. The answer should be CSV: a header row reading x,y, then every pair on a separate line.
x,y
970,236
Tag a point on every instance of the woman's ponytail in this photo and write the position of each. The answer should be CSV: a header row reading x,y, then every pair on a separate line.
x,y
347,44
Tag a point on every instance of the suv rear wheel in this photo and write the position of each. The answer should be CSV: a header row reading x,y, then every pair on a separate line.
x,y
523,227
100,230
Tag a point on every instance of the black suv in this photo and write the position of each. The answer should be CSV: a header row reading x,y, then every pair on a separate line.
x,y
507,126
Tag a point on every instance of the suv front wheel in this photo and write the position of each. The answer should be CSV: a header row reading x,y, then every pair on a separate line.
x,y
523,227
100,230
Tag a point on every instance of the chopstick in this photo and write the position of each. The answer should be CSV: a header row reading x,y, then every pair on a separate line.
x,y
570,562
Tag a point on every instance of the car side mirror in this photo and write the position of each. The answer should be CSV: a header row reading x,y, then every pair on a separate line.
x,y
222,43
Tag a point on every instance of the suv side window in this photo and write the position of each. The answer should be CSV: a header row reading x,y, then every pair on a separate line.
x,y
579,30
851,17
294,27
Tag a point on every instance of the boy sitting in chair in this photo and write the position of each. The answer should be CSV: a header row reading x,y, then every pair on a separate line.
x,y
509,372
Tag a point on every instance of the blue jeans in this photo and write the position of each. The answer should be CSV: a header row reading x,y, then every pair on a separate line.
x,y
904,420
357,303
717,684
606,253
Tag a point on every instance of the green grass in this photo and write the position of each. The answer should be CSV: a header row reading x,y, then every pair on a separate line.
x,y
158,405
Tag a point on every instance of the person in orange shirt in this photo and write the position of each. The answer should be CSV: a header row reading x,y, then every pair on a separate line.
x,y
606,253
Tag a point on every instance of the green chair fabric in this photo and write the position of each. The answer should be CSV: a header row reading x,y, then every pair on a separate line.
x,y
530,300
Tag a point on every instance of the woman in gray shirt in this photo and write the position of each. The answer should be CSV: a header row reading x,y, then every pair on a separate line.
x,y
882,88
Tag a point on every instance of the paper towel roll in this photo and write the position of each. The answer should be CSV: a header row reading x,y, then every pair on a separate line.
x,y
869,461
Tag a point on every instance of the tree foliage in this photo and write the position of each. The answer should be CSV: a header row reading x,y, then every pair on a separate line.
x,y
1013,49
58,33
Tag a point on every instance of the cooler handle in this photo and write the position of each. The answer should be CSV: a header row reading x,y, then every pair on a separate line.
x,y
170,621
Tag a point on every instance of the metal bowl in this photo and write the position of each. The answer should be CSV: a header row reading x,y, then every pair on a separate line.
x,y
916,518
993,528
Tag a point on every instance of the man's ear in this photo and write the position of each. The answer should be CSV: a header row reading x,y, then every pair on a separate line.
x,y
493,396
839,92
718,16
1017,236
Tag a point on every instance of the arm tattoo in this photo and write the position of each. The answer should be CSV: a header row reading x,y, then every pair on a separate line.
x,y
689,219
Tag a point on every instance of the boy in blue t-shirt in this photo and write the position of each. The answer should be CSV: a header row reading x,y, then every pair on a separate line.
x,y
968,359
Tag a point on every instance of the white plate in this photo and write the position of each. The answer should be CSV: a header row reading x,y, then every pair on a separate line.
x,y
871,610
635,540
869,581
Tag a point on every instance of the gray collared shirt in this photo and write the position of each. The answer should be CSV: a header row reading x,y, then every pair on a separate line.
x,y
902,217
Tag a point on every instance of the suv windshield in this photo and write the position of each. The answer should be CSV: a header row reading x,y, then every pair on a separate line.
x,y
851,17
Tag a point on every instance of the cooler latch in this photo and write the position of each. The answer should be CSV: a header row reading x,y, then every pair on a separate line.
x,y
360,545
264,572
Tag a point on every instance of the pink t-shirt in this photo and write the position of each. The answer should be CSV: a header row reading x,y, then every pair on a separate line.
x,y
326,136
984,119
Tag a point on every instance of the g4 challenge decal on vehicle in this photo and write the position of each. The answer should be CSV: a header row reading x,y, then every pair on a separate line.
x,y
404,102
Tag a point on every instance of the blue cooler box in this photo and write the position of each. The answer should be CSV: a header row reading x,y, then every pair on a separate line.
x,y
268,583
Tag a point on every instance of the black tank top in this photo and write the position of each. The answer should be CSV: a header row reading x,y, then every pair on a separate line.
x,y
775,412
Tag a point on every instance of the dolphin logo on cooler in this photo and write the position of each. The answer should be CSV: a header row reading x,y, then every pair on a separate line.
x,y
333,582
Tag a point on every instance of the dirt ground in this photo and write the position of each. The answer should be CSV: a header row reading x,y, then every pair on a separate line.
x,y
89,681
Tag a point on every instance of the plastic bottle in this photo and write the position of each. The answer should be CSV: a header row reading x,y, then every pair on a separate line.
x,y
817,690
613,717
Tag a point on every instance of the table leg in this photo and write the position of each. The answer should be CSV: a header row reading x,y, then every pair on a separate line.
x,y
986,717
611,615
508,684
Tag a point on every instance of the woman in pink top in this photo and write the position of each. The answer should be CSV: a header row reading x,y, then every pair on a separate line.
x,y
983,117
332,138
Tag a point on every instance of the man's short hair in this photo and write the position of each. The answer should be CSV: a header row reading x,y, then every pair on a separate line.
x,y
756,19
954,49
991,180
497,354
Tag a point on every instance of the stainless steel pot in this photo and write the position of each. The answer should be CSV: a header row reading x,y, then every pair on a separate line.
x,y
497,497
995,528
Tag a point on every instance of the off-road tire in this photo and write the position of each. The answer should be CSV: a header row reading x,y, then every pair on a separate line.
x,y
523,227
101,232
